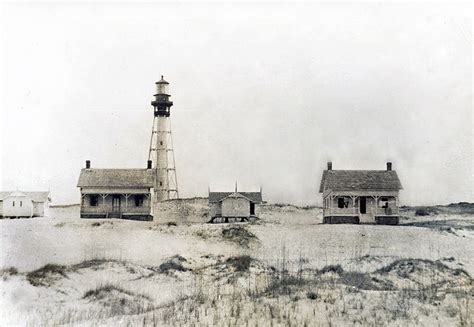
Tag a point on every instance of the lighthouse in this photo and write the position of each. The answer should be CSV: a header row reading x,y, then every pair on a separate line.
x,y
161,153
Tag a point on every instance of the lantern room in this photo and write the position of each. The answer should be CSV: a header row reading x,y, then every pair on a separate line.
x,y
162,103
162,86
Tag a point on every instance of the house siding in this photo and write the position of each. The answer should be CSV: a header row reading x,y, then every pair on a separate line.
x,y
25,210
38,209
215,209
235,207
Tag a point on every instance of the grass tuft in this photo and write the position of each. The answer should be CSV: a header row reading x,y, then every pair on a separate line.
x,y
46,275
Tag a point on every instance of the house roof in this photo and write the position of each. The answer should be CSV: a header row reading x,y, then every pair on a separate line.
x,y
354,180
116,178
219,196
34,196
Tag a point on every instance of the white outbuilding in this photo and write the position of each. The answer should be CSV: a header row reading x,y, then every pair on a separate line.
x,y
238,206
24,204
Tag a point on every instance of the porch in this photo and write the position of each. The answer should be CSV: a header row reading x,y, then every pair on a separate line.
x,y
361,208
116,205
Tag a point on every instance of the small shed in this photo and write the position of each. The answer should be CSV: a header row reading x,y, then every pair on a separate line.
x,y
24,204
239,206
360,196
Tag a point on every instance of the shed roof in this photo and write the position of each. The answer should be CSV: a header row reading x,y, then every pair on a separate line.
x,y
116,178
34,196
354,180
219,196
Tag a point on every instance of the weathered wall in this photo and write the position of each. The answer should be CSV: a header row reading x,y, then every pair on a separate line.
x,y
235,207
215,209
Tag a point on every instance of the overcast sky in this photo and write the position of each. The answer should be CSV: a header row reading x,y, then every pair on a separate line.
x,y
264,94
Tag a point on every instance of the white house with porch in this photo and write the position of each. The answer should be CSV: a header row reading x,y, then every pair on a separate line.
x,y
117,193
360,196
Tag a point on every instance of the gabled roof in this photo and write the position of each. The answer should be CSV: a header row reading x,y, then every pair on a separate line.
x,y
34,196
116,178
364,180
219,196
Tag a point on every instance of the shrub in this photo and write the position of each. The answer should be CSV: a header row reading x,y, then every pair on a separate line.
x,y
171,223
240,263
422,212
337,269
239,235
312,295
173,264
12,271
101,291
46,275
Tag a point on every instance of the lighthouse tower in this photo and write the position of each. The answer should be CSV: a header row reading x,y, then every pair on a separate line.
x,y
161,151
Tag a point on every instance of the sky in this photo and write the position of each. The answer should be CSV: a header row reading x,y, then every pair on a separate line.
x,y
264,94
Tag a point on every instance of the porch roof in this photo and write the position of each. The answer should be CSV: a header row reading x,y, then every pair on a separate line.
x,y
364,180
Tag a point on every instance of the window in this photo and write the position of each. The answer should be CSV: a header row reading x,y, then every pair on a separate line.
x,y
161,142
93,200
139,200
383,203
161,183
21,203
13,203
342,202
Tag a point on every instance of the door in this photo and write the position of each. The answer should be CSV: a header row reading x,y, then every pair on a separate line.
x,y
362,205
252,209
116,204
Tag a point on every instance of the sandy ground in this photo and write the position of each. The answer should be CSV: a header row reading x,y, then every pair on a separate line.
x,y
131,251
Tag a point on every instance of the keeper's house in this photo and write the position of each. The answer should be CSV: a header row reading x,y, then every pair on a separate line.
x,y
234,205
360,196
116,193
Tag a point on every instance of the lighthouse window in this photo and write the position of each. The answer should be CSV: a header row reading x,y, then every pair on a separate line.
x,y
21,203
13,203
161,183
161,142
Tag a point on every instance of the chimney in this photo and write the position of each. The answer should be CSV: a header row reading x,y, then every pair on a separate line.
x,y
88,164
389,166
149,164
329,165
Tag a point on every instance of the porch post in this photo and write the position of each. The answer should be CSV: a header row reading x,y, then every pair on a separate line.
x,y
376,198
126,195
103,198
353,198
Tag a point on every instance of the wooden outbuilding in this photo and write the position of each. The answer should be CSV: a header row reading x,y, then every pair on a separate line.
x,y
116,193
236,206
24,204
360,196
